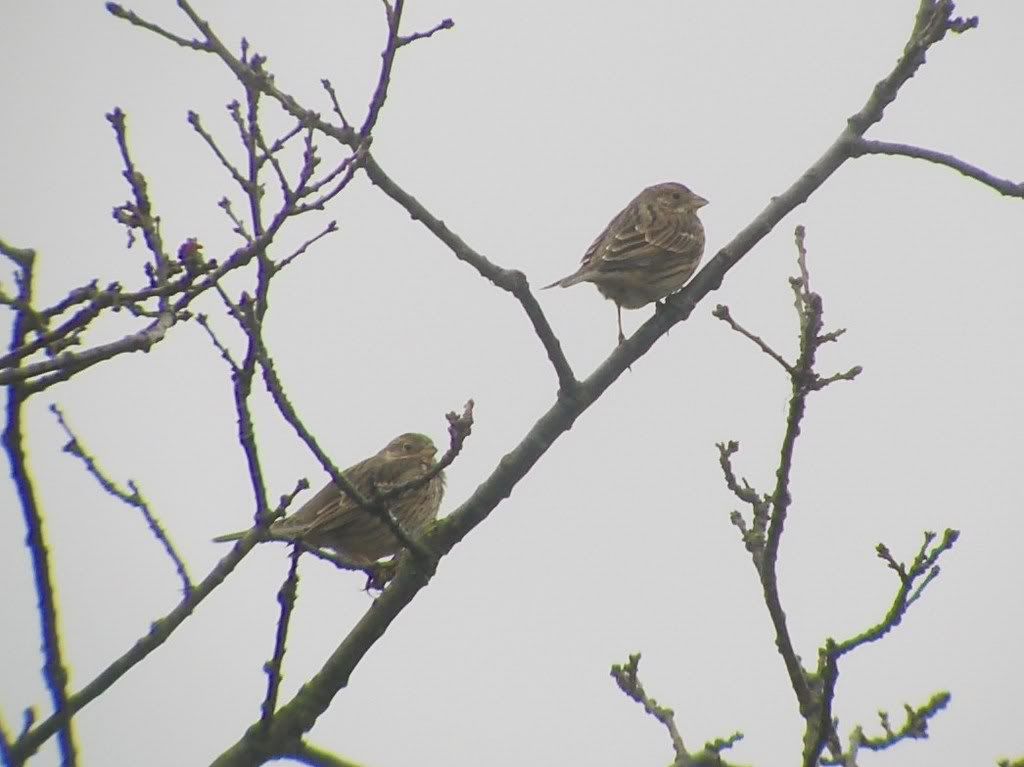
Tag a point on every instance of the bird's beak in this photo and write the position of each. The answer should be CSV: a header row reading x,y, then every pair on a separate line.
x,y
698,202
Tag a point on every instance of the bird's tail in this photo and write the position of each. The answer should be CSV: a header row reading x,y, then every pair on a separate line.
x,y
229,537
565,282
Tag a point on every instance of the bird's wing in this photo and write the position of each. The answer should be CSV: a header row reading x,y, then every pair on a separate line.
x,y
331,507
319,510
640,239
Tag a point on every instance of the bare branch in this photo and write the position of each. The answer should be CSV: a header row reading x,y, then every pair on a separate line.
x,y
509,280
762,539
55,673
331,228
334,101
347,169
204,322
160,630
134,498
1003,186
239,226
66,334
132,18
139,215
299,714
260,80
753,538
915,726
913,580
722,312
380,93
67,364
286,598
626,677
193,120
443,24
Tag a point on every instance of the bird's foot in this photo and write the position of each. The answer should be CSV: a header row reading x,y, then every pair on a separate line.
x,y
379,573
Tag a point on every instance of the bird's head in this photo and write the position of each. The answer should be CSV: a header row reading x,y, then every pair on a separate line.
x,y
671,197
415,446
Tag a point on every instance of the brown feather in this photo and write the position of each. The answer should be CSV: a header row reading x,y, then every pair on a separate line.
x,y
333,520
650,249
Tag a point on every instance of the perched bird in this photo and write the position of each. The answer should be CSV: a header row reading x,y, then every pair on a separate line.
x,y
333,520
647,251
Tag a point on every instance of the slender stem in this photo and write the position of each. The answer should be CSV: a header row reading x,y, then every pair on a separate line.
x,y
54,668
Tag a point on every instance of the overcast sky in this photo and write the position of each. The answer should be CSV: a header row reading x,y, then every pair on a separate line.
x,y
527,127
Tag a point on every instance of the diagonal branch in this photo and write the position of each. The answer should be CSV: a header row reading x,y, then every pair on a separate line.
x,y
134,498
913,580
510,280
722,312
1002,185
158,633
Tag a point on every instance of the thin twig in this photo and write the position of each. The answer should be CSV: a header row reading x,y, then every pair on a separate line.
x,y
334,101
131,17
286,598
141,212
443,24
1004,186
380,93
924,568
133,498
204,323
347,168
722,312
331,228
626,678
193,120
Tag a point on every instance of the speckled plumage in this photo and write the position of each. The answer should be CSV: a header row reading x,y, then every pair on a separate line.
x,y
649,250
331,519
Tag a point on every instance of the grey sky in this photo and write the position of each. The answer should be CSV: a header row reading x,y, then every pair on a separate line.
x,y
526,127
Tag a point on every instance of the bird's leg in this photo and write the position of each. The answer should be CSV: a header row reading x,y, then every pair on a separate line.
x,y
622,336
659,306
379,573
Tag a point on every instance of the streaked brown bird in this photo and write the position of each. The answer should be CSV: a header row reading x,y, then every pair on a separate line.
x,y
647,251
333,520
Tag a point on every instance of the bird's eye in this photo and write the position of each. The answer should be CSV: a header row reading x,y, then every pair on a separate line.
x,y
676,196
408,447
